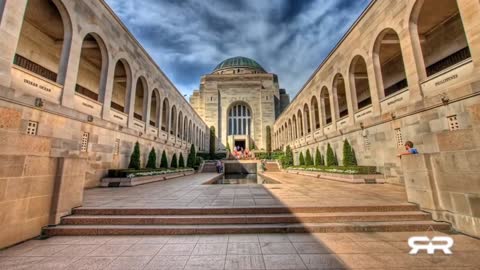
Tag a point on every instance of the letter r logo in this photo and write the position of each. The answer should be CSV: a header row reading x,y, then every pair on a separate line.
x,y
418,243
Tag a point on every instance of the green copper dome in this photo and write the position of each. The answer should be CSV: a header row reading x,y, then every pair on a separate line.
x,y
239,62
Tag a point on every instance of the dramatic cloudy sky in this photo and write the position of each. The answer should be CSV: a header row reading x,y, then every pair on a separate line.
x,y
188,38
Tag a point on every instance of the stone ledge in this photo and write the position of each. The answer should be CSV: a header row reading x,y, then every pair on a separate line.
x,y
141,180
348,178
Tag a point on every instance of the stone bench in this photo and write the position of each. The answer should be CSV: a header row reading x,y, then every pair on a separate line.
x,y
141,180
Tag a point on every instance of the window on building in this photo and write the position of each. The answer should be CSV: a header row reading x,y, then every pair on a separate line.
x,y
399,138
239,120
453,123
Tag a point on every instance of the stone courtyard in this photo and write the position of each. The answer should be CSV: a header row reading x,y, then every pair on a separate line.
x,y
359,250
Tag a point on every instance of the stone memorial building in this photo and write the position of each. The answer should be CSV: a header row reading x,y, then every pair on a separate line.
x,y
240,99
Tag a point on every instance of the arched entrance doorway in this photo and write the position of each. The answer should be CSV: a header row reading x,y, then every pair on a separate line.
x,y
239,125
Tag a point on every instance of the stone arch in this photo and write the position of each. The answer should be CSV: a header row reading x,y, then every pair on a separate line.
x,y
359,83
190,131
180,124
139,105
295,128
300,123
438,36
290,133
173,121
155,108
185,128
315,113
308,124
326,106
340,96
122,83
388,63
50,22
165,115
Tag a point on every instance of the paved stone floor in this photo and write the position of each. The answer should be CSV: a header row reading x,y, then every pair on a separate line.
x,y
254,251
293,190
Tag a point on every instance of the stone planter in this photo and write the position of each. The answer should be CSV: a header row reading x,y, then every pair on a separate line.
x,y
348,178
141,180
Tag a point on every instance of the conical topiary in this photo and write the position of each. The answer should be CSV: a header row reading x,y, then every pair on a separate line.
x,y
347,154
355,162
335,159
318,158
301,160
174,163
308,158
164,161
330,156
181,162
191,157
288,157
135,158
152,159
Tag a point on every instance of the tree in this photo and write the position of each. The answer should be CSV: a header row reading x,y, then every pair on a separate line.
x,y
152,159
318,158
301,160
288,158
135,158
308,158
213,145
181,161
335,159
355,163
191,157
330,156
269,140
174,163
164,161
348,159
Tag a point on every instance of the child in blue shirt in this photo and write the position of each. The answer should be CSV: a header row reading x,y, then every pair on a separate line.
x,y
410,149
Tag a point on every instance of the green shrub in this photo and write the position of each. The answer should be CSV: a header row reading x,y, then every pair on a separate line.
x,y
152,159
348,159
339,169
276,155
164,160
207,156
174,162
135,157
330,156
122,173
213,144
198,161
181,161
269,140
301,160
335,158
308,158
288,157
191,156
318,158
355,163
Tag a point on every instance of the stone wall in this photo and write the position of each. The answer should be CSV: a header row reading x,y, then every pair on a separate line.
x,y
447,183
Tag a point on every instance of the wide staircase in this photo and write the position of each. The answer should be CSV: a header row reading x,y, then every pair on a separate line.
x,y
155,221
209,167
272,167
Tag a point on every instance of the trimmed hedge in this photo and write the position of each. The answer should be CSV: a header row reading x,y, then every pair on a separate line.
x,y
338,169
206,156
123,173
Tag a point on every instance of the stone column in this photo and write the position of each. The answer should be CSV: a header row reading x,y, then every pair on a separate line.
x,y
411,69
107,95
130,106
148,106
71,72
374,91
10,28
349,93
469,11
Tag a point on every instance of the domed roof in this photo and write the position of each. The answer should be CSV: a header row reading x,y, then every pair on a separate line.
x,y
239,62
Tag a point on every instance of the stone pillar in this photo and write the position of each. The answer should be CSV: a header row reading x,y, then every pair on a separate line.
x,y
71,72
107,95
10,28
68,189
348,93
469,11
374,91
148,109
411,69
130,106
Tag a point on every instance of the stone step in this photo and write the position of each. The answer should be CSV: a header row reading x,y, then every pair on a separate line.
x,y
243,219
242,210
393,226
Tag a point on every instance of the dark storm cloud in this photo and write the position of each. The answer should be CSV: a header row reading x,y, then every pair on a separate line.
x,y
189,38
